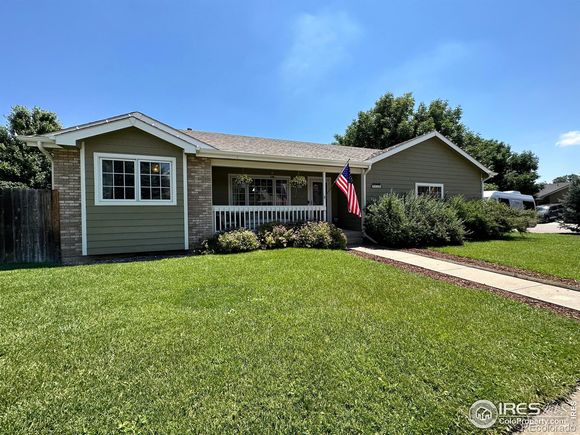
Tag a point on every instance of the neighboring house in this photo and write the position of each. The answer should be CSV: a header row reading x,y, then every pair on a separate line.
x,y
133,184
552,193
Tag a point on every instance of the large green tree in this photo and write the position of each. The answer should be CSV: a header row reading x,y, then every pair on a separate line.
x,y
570,178
396,119
20,165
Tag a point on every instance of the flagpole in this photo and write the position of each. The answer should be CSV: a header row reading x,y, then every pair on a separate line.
x,y
334,182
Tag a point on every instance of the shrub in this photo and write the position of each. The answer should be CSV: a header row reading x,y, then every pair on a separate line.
x,y
571,203
275,235
229,242
413,221
488,219
322,235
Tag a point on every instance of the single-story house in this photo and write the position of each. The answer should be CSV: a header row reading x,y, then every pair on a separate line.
x,y
132,184
552,193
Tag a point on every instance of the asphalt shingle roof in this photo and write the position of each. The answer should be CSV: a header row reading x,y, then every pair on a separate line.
x,y
281,147
550,188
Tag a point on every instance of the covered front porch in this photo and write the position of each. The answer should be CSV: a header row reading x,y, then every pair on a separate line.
x,y
278,193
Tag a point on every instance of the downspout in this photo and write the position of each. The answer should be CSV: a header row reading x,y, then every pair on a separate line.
x,y
364,198
484,179
49,156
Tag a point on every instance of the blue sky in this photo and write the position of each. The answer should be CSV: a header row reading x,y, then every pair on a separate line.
x,y
302,69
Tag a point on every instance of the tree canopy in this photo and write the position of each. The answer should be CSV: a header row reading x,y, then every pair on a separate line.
x,y
21,165
396,119
570,178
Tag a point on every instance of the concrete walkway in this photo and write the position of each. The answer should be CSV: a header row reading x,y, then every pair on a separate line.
x,y
549,228
557,419
548,293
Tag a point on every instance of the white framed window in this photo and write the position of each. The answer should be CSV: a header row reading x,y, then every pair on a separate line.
x,y
432,189
265,190
127,179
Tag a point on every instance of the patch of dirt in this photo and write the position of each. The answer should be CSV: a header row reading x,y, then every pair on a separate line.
x,y
564,311
570,283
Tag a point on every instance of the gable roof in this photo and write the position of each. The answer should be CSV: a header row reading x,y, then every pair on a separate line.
x,y
420,139
69,136
280,147
551,188
223,145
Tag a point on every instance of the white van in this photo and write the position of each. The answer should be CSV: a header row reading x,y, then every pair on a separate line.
x,y
512,198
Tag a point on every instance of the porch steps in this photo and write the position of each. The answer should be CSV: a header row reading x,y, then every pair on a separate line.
x,y
353,238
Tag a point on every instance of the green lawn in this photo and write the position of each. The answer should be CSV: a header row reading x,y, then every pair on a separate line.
x,y
553,254
291,340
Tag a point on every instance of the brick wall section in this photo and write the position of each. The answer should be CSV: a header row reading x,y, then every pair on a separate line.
x,y
67,180
199,200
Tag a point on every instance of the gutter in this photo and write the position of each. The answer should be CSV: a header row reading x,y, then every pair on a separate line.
x,y
490,174
36,141
227,155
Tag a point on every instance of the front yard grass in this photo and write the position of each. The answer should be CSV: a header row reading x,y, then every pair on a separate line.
x,y
291,340
552,254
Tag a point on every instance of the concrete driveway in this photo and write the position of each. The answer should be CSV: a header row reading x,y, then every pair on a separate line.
x,y
552,227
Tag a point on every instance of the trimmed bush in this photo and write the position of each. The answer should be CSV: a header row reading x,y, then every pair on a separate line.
x,y
321,235
413,221
229,242
275,235
488,219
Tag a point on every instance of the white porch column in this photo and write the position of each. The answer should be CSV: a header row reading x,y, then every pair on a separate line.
x,y
363,182
364,189
324,193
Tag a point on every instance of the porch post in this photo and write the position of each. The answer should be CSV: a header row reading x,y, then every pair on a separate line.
x,y
324,193
363,179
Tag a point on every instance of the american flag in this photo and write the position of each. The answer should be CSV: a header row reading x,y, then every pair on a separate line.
x,y
345,183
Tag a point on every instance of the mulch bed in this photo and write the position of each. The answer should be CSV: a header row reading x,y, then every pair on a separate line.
x,y
564,311
570,283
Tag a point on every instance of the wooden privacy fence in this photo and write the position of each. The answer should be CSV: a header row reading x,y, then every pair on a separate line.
x,y
29,226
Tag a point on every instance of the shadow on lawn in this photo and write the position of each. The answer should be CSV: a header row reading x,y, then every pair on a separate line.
x,y
20,266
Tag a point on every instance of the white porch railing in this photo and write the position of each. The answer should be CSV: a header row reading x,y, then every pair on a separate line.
x,y
226,217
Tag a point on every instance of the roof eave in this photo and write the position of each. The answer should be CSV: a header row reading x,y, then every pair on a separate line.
x,y
35,141
70,136
552,192
230,155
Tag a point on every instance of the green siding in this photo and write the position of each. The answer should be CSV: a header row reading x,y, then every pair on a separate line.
x,y
129,229
429,162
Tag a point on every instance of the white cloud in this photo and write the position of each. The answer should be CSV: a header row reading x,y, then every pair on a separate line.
x,y
320,44
569,139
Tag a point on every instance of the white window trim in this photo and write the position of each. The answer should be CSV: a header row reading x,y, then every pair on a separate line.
x,y
417,185
266,177
136,158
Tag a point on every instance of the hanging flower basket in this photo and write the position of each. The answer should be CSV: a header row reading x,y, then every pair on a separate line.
x,y
298,182
243,180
